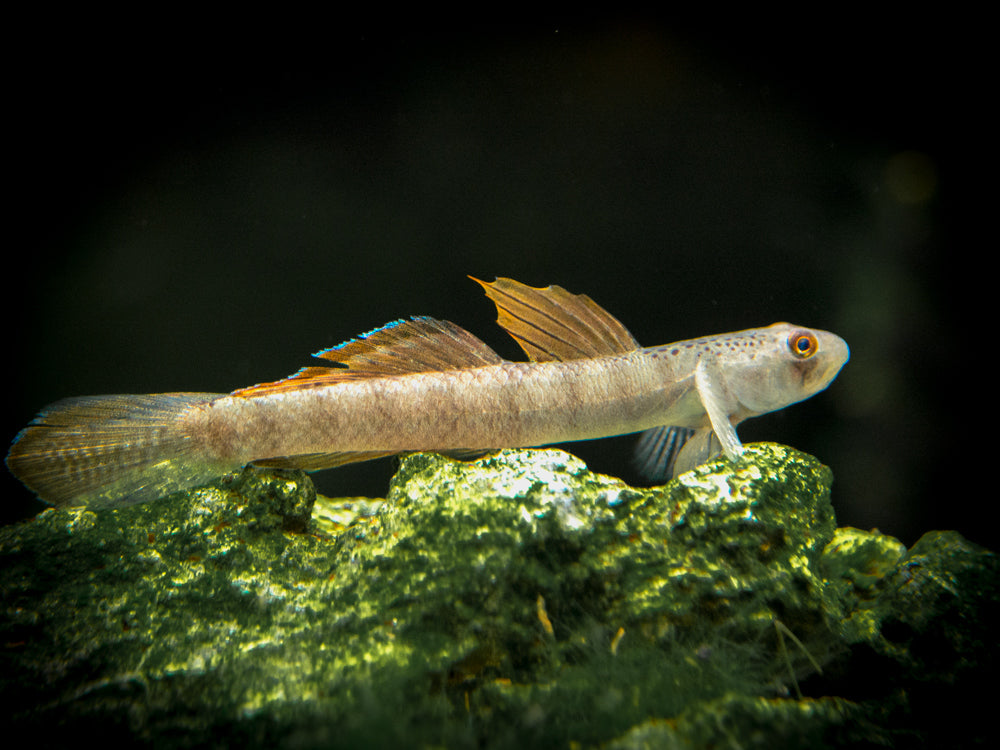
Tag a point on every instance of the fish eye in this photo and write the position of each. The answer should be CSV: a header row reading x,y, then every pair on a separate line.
x,y
802,344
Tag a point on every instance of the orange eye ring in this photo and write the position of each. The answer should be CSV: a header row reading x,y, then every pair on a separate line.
x,y
802,344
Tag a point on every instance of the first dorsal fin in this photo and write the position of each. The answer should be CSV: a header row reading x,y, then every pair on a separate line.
x,y
420,344
553,324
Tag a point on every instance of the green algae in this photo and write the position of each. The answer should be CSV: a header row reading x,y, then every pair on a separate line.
x,y
517,599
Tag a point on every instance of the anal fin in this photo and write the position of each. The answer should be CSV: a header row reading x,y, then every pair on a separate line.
x,y
318,461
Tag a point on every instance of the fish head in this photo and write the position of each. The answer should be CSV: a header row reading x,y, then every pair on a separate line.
x,y
790,364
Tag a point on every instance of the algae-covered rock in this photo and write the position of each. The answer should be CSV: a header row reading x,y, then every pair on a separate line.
x,y
515,600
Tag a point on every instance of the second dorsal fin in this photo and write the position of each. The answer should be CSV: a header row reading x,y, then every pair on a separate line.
x,y
420,344
553,324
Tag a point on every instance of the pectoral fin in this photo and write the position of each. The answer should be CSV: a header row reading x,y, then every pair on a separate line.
x,y
667,451
711,399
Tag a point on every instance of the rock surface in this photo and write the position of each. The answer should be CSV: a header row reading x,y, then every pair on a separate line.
x,y
517,600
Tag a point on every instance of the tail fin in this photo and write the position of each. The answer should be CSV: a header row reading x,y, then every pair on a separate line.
x,y
106,451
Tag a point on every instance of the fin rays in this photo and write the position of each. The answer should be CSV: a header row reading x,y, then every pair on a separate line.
x,y
547,323
318,461
109,451
421,344
553,324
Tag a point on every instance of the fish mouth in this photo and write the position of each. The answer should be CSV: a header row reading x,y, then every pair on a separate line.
x,y
837,353
843,354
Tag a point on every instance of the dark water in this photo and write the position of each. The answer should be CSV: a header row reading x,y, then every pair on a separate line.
x,y
204,220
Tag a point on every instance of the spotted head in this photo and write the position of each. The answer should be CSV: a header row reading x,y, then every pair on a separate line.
x,y
782,364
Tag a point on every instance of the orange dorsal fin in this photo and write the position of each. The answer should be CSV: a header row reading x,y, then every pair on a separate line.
x,y
553,324
403,347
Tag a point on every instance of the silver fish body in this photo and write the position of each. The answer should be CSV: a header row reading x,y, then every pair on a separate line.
x,y
425,384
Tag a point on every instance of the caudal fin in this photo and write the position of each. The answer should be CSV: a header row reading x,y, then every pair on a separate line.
x,y
107,451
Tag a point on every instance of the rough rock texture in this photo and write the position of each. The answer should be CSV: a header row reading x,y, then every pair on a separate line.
x,y
518,600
